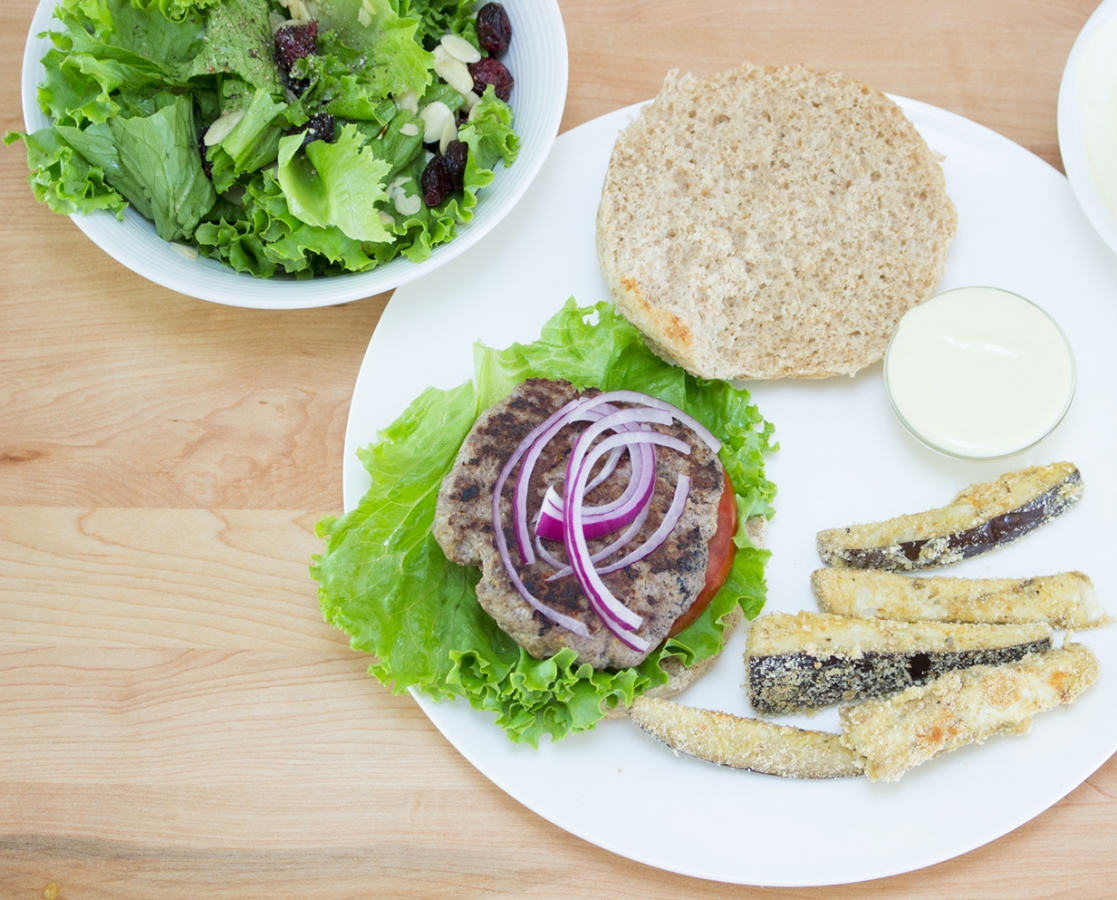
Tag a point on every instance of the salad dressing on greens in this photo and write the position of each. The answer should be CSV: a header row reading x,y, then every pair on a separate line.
x,y
315,164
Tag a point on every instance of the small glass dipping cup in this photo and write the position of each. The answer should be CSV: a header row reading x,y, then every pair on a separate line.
x,y
979,373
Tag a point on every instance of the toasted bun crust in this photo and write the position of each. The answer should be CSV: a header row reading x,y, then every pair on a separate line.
x,y
771,222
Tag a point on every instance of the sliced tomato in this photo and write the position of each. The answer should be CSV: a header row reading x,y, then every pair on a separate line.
x,y
722,551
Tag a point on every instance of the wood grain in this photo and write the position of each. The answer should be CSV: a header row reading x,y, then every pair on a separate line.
x,y
176,721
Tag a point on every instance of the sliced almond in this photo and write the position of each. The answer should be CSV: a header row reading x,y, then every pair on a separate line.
x,y
187,250
470,100
396,187
459,48
407,206
409,100
449,133
434,116
300,15
452,70
222,126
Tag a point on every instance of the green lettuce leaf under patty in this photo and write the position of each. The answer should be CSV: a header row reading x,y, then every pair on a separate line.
x,y
384,580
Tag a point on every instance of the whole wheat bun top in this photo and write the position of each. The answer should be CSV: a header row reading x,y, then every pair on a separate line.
x,y
771,222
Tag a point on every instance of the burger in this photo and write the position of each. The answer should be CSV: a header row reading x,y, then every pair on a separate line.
x,y
617,561
575,527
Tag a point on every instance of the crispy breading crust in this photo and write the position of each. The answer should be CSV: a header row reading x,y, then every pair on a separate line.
x,y
1066,600
963,708
741,743
981,517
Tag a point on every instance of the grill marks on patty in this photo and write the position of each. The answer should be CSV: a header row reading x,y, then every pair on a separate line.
x,y
660,587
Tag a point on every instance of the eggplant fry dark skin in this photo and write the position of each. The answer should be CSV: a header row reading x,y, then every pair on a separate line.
x,y
981,518
812,660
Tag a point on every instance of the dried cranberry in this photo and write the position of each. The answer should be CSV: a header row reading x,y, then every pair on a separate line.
x,y
319,127
494,72
494,31
293,42
435,182
453,160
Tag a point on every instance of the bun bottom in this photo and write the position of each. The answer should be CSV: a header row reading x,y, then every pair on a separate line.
x,y
680,677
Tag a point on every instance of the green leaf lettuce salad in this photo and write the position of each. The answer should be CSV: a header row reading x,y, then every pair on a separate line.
x,y
134,87
384,580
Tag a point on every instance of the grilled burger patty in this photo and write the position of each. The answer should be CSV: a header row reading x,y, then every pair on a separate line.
x,y
659,587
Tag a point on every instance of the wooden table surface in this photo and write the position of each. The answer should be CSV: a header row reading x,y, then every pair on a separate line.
x,y
176,721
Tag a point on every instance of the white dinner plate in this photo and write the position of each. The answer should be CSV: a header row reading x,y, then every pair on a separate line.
x,y
537,59
1088,116
843,458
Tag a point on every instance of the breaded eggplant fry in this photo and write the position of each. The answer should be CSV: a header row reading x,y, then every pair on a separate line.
x,y
798,663
742,743
964,707
980,518
1066,600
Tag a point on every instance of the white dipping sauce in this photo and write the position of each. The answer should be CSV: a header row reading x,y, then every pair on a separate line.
x,y
979,372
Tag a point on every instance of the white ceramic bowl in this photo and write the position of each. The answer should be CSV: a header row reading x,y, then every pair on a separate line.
x,y
1087,90
979,373
537,60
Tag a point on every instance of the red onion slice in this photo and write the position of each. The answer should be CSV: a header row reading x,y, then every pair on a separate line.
x,y
598,521
549,526
563,569
612,516
616,616
552,512
606,470
548,557
571,624
655,403
608,518
670,520
580,523
533,445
